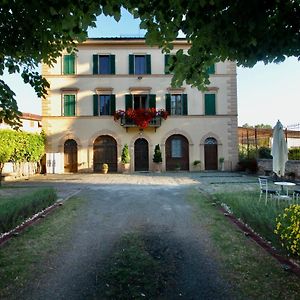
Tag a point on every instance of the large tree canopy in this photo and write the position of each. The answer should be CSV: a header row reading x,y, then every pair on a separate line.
x,y
244,31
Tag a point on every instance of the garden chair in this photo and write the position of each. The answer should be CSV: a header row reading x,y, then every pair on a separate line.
x,y
265,190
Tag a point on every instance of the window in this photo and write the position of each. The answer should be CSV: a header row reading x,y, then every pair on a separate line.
x,y
104,105
210,104
176,148
69,64
139,64
103,64
176,104
69,105
140,101
211,69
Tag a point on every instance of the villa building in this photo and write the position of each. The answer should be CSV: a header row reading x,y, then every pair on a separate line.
x,y
112,74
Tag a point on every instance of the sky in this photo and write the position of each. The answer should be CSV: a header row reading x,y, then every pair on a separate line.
x,y
266,93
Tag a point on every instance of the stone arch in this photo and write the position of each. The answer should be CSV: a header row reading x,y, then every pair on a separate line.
x,y
180,132
210,135
68,136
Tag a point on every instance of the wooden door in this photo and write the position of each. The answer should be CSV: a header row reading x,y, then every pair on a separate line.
x,y
177,153
70,156
211,154
105,152
141,155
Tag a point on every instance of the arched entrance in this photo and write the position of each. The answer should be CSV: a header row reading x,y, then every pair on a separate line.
x,y
211,154
70,156
177,153
141,155
105,152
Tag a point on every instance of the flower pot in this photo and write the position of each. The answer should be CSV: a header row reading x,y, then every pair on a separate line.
x,y
157,167
126,168
104,171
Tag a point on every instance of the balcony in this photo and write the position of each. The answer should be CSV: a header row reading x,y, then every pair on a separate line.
x,y
129,123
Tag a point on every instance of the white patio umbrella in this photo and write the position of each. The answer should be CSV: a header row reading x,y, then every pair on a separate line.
x,y
279,150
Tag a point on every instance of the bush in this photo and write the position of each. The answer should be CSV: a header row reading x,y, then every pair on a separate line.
x,y
294,154
288,229
14,211
264,152
249,165
125,157
157,154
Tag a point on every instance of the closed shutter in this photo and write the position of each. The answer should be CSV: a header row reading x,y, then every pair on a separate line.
x,y
184,104
95,64
210,104
131,64
152,101
128,101
167,57
112,104
69,64
168,103
148,64
211,69
96,104
112,59
69,105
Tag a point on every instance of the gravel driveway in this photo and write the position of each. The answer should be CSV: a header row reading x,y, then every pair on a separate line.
x,y
155,206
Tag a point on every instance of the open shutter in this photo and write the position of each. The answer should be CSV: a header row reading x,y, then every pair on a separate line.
x,y
152,101
95,64
96,104
167,57
131,64
128,101
112,59
211,69
112,104
148,64
168,103
184,104
210,104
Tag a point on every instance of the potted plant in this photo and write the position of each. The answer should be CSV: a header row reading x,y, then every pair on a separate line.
x,y
177,167
221,161
104,168
125,159
197,164
157,158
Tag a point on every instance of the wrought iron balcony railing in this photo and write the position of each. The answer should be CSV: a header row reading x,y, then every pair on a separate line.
x,y
126,122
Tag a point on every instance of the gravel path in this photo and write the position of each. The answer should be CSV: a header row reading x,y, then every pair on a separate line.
x,y
157,208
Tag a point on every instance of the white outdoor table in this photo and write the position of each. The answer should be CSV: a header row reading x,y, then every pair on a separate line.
x,y
285,184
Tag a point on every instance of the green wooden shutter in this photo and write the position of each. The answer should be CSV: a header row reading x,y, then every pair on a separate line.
x,y
168,103
69,105
72,64
211,69
131,64
112,59
184,104
95,64
210,104
167,57
152,101
112,104
66,64
128,101
96,104
148,64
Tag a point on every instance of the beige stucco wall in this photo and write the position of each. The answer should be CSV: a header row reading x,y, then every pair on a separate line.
x,y
85,128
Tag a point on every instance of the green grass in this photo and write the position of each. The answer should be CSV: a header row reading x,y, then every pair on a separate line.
x,y
251,271
260,216
15,210
26,256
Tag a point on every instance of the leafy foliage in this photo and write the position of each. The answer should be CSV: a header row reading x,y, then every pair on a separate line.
x,y
125,157
157,158
294,154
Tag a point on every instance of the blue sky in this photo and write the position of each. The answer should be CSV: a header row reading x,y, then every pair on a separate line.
x,y
265,93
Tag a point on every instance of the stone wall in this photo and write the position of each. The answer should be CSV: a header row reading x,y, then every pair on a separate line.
x,y
265,166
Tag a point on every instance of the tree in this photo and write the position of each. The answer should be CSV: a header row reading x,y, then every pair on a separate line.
x,y
217,30
157,158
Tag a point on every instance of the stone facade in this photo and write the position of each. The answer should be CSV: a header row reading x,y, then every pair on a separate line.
x,y
195,129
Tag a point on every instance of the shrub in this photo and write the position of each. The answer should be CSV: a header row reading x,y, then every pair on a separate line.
x,y
125,157
157,154
249,165
294,154
196,162
264,152
288,229
14,211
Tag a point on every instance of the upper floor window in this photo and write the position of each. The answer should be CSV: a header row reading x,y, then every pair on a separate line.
x,y
210,104
68,64
139,64
140,101
69,103
104,105
104,64
176,104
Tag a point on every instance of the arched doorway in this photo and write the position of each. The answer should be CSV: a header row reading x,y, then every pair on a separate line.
x,y
177,153
141,155
211,154
70,156
105,152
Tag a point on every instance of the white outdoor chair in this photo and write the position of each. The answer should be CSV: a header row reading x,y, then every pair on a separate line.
x,y
296,195
264,190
